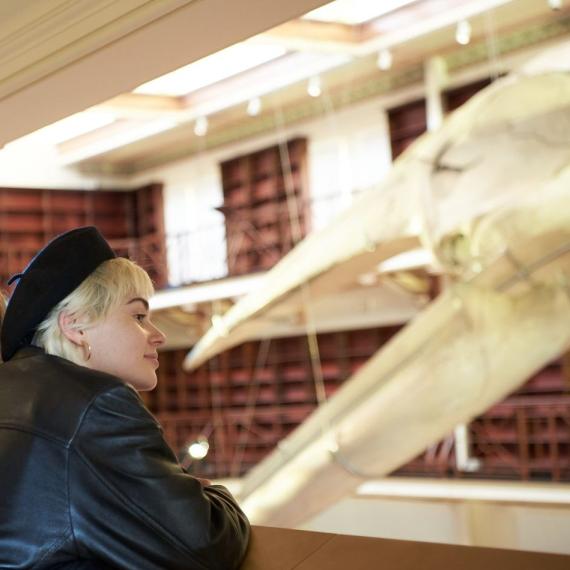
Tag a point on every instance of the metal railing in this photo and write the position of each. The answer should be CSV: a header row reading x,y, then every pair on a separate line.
x,y
523,438
203,253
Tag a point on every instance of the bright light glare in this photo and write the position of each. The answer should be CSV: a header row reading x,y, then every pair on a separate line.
x,y
211,69
199,449
354,12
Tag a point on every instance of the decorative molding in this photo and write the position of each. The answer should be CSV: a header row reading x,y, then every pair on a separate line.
x,y
508,43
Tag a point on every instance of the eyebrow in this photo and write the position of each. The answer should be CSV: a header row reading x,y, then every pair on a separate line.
x,y
143,301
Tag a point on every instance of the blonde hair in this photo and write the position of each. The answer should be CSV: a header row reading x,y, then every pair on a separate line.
x,y
108,286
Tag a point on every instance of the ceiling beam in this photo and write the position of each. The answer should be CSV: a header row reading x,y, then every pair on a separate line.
x,y
139,104
318,36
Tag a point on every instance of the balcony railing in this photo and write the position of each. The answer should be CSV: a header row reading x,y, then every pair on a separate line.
x,y
202,254
524,438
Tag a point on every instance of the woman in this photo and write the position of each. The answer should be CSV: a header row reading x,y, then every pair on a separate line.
x,y
85,473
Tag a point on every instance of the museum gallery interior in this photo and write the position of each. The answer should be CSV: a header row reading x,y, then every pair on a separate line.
x,y
356,215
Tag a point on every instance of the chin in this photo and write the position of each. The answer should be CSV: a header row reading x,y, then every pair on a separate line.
x,y
143,385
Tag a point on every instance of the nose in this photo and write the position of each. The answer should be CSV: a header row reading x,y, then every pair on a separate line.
x,y
157,337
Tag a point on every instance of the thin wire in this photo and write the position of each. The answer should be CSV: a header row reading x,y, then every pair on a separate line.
x,y
291,198
525,271
215,391
251,404
294,218
492,44
217,411
314,353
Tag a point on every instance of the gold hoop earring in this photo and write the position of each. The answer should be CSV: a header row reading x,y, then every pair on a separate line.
x,y
86,346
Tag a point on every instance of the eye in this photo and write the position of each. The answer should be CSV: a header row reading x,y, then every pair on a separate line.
x,y
140,317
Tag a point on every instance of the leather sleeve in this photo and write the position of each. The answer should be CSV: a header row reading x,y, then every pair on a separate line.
x,y
133,506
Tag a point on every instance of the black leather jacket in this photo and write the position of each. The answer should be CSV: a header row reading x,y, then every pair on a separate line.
x,y
85,475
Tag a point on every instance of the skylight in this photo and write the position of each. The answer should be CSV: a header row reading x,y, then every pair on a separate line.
x,y
211,69
354,12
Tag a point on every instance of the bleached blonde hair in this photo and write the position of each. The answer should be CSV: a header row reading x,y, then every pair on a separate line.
x,y
111,284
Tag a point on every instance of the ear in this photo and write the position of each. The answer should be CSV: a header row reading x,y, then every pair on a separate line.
x,y
67,323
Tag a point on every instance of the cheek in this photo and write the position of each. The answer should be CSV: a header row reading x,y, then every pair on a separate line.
x,y
96,338
113,341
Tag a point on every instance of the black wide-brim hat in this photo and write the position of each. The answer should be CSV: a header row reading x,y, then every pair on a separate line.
x,y
57,270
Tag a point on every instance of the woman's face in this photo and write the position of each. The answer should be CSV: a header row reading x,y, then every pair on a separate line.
x,y
125,344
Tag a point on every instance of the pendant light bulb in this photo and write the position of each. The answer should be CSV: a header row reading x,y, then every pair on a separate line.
x,y
314,86
384,61
199,449
201,126
254,107
463,32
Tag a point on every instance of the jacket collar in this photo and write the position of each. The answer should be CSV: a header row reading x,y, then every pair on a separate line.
x,y
27,352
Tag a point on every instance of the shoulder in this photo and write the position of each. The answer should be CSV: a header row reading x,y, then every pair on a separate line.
x,y
34,364
117,418
49,395
121,403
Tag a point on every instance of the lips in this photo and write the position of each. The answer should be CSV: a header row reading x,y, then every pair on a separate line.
x,y
153,358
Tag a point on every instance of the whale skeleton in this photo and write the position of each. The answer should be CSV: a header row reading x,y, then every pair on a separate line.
x,y
488,196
